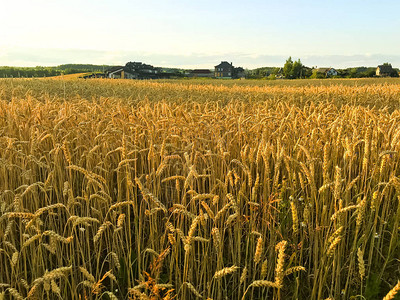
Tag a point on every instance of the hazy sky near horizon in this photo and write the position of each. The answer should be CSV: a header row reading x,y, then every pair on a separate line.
x,y
190,34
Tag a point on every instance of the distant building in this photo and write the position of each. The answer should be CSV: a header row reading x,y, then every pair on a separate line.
x,y
142,71
172,73
224,70
327,72
385,70
202,73
227,70
94,75
118,72
239,72
133,70
279,74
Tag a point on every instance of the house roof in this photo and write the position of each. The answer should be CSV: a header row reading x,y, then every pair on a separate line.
x,y
224,64
120,69
201,71
385,68
113,69
138,65
324,70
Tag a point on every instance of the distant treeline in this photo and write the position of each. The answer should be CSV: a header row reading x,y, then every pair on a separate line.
x,y
258,73
16,72
84,67
273,72
263,72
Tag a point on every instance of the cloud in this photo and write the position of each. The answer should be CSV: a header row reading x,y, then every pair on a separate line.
x,y
52,57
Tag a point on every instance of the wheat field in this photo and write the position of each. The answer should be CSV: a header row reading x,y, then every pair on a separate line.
x,y
114,189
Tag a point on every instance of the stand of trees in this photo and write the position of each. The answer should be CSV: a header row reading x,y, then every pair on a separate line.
x,y
265,72
292,70
28,72
50,71
295,69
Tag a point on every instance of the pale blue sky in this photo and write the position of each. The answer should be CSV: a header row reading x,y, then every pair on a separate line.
x,y
200,33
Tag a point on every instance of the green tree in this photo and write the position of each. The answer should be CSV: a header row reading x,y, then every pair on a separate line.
x,y
296,69
306,72
287,68
275,71
394,73
353,73
316,74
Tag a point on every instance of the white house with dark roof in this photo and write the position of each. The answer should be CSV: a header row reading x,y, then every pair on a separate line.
x,y
328,72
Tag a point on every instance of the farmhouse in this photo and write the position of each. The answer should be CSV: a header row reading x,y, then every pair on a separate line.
x,y
239,72
133,70
142,71
385,70
119,72
202,73
226,70
327,72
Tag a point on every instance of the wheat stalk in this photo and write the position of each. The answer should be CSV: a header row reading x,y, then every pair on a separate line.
x,y
279,273
392,293
193,289
259,249
225,271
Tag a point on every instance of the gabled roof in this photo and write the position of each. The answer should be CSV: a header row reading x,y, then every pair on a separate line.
x,y
385,68
324,70
224,64
118,70
114,69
